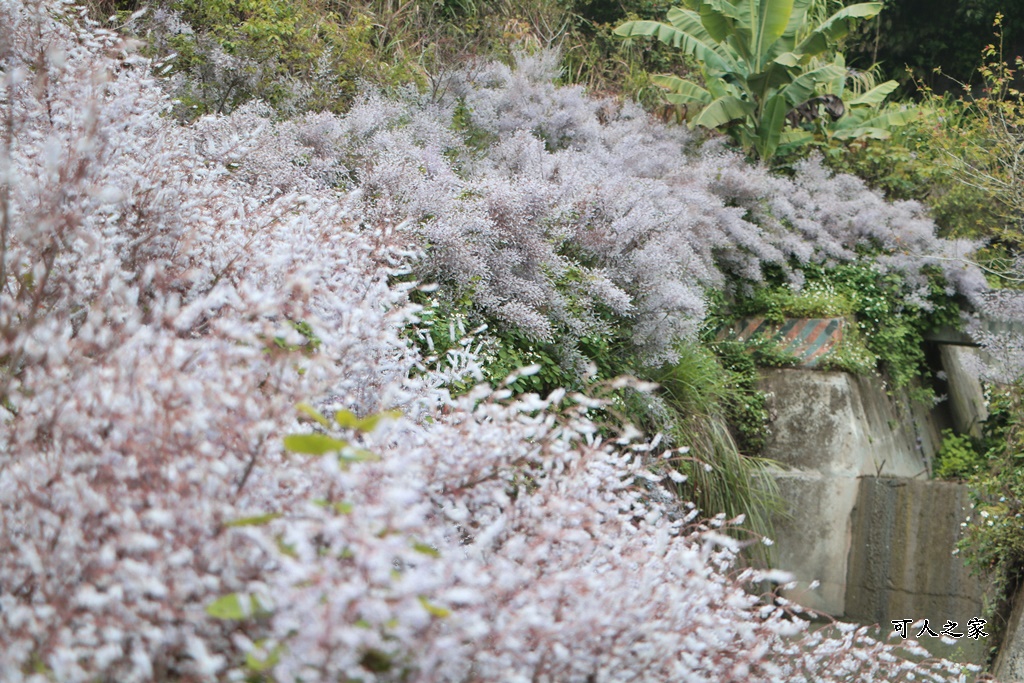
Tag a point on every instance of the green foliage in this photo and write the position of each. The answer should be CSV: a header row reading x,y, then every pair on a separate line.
x,y
746,405
889,329
994,539
758,60
704,407
914,163
236,607
960,456
961,156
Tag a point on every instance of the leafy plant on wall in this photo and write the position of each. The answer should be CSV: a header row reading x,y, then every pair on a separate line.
x,y
760,61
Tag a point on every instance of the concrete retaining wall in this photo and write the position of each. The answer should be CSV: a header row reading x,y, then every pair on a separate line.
x,y
829,429
1009,665
901,563
864,519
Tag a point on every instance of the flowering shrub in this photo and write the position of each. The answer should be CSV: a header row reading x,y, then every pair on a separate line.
x,y
165,305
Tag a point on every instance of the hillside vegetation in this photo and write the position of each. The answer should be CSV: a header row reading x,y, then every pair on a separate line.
x,y
313,380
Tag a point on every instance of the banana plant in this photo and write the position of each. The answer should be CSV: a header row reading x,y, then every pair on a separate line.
x,y
759,59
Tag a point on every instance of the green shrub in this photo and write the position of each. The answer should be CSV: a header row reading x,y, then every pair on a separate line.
x,y
960,456
889,329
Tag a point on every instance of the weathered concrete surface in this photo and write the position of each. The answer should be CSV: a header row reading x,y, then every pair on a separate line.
x,y
836,423
966,398
812,541
864,520
831,428
901,563
1009,665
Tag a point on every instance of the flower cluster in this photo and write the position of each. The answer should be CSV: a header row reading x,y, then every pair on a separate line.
x,y
559,215
169,295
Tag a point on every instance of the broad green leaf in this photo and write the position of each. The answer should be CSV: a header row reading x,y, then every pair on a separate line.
x,y
836,26
434,609
257,520
722,111
791,59
685,92
798,18
700,45
718,18
348,420
875,96
873,127
795,138
772,78
313,444
229,606
773,17
312,412
426,549
870,118
804,86
257,665
773,120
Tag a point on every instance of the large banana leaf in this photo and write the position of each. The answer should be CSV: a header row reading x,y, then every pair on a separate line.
x,y
720,18
866,123
686,33
772,77
804,86
836,26
769,129
773,17
722,111
681,91
798,18
875,96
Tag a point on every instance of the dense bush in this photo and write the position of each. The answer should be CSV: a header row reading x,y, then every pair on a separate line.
x,y
891,321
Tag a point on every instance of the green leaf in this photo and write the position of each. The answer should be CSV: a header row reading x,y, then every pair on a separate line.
x,y
348,420
313,444
875,96
686,33
312,412
773,120
791,59
804,86
227,607
426,549
434,609
874,127
795,138
257,520
257,665
722,111
773,17
685,91
836,26
718,18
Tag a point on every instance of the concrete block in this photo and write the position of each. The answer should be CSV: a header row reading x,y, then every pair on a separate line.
x,y
966,398
901,563
839,424
812,542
